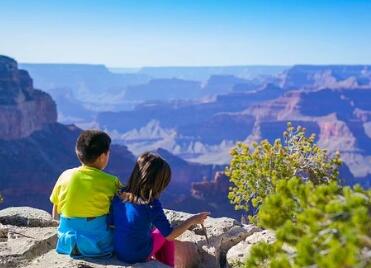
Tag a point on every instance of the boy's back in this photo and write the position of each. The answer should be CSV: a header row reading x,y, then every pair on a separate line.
x,y
82,198
84,192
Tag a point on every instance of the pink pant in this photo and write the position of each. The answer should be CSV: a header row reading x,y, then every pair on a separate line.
x,y
163,250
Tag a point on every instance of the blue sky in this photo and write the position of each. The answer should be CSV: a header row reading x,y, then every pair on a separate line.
x,y
121,33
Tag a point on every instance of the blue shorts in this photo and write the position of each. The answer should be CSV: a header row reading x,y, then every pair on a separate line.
x,y
84,237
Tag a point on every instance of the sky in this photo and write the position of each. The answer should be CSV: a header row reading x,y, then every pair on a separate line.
x,y
138,33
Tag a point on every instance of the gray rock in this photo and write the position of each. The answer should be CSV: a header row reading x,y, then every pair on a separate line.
x,y
34,247
3,233
223,233
24,244
55,260
241,251
26,216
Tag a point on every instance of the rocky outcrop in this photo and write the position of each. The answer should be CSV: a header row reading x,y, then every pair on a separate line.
x,y
222,233
23,109
204,132
330,76
339,118
164,89
204,73
238,253
43,156
29,233
222,84
3,233
26,217
33,247
212,196
31,138
86,81
219,185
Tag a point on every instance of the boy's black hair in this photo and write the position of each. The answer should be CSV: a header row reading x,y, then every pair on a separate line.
x,y
91,144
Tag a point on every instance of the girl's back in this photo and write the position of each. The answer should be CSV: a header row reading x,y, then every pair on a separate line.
x,y
135,239
133,227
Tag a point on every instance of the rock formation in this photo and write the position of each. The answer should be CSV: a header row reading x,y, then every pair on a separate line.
x,y
239,252
208,195
221,84
204,73
330,76
23,109
31,138
164,89
29,238
34,148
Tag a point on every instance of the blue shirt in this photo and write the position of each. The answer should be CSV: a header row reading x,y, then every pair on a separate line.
x,y
133,226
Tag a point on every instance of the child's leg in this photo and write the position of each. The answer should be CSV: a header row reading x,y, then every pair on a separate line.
x,y
163,250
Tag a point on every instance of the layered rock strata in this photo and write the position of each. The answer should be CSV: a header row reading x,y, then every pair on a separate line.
x,y
23,109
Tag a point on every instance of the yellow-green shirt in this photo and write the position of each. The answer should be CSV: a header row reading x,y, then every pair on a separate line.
x,y
84,192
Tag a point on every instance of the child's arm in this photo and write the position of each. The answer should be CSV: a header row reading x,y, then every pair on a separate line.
x,y
54,198
160,221
184,226
55,214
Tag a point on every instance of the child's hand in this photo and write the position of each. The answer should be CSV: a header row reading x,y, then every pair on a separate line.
x,y
200,217
184,226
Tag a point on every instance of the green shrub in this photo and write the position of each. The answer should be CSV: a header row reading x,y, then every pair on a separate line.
x,y
255,171
322,226
317,222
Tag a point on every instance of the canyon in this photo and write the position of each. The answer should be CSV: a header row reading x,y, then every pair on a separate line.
x,y
190,116
35,148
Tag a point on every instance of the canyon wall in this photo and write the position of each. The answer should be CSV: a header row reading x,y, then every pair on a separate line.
x,y
23,109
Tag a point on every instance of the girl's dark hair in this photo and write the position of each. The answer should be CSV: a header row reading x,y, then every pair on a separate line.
x,y
150,176
91,144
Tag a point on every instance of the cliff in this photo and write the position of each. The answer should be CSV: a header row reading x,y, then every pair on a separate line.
x,y
338,117
31,138
327,76
164,89
83,79
34,148
23,109
28,239
204,73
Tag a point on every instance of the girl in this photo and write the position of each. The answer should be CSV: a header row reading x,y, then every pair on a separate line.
x,y
133,218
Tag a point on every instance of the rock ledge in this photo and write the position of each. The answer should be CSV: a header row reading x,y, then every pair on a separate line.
x,y
28,238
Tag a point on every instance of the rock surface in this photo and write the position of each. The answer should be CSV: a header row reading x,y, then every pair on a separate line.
x,y
26,216
23,109
204,131
32,246
330,76
240,252
55,260
3,233
25,243
222,233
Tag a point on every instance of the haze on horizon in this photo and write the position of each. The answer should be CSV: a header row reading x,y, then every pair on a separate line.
x,y
186,33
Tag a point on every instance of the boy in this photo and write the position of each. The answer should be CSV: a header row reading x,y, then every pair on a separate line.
x,y
82,198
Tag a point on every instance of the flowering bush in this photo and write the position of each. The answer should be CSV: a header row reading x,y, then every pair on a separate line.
x,y
293,183
255,171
